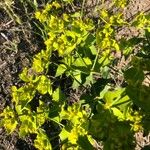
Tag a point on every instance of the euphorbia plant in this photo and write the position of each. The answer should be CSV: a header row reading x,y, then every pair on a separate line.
x,y
83,52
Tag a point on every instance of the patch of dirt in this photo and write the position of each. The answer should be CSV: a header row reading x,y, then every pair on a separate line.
x,y
18,43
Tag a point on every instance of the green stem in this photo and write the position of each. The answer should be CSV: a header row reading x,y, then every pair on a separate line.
x,y
78,81
54,137
96,58
75,78
115,105
82,59
104,20
56,122
83,3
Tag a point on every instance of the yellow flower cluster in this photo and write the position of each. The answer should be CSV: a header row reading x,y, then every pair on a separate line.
x,y
64,37
120,3
10,122
77,118
142,21
136,120
75,133
43,16
65,32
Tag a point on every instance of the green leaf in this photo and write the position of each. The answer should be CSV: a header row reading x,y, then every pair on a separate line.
x,y
64,134
140,96
115,45
105,60
58,95
68,1
82,62
93,49
37,65
134,76
23,95
41,61
120,3
124,99
118,113
9,120
10,125
77,79
76,14
35,4
60,70
85,143
104,91
24,75
42,141
44,85
28,123
113,98
87,61
69,49
89,79
105,71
